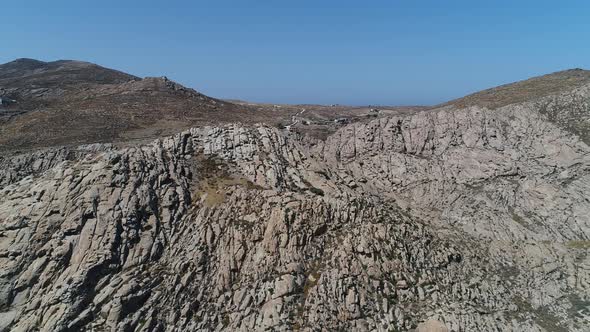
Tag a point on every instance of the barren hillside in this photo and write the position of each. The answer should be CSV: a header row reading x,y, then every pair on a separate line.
x,y
473,216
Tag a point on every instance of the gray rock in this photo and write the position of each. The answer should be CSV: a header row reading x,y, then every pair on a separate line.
x,y
448,220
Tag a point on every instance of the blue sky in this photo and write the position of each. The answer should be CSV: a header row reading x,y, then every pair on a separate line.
x,y
346,52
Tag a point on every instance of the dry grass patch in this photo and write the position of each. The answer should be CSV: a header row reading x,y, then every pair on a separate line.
x,y
578,244
212,192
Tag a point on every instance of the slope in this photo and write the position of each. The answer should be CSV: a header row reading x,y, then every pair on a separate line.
x,y
73,102
474,219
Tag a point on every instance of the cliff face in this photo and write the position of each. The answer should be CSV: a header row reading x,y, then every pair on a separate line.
x,y
446,220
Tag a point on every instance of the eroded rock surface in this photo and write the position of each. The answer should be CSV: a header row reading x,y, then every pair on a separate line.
x,y
447,220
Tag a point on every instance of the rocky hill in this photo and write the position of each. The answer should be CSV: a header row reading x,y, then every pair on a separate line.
x,y
450,219
73,102
526,90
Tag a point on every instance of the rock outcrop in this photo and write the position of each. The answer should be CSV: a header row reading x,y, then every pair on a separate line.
x,y
446,220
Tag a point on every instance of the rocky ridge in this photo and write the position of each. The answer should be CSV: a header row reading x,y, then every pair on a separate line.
x,y
454,219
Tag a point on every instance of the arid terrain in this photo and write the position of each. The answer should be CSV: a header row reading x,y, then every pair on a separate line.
x,y
137,204
73,102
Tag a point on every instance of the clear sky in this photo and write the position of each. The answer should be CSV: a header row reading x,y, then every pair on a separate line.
x,y
346,52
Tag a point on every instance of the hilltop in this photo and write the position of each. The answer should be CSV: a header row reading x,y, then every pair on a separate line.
x,y
73,102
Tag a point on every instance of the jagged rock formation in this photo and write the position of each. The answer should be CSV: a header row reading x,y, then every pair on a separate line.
x,y
446,220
